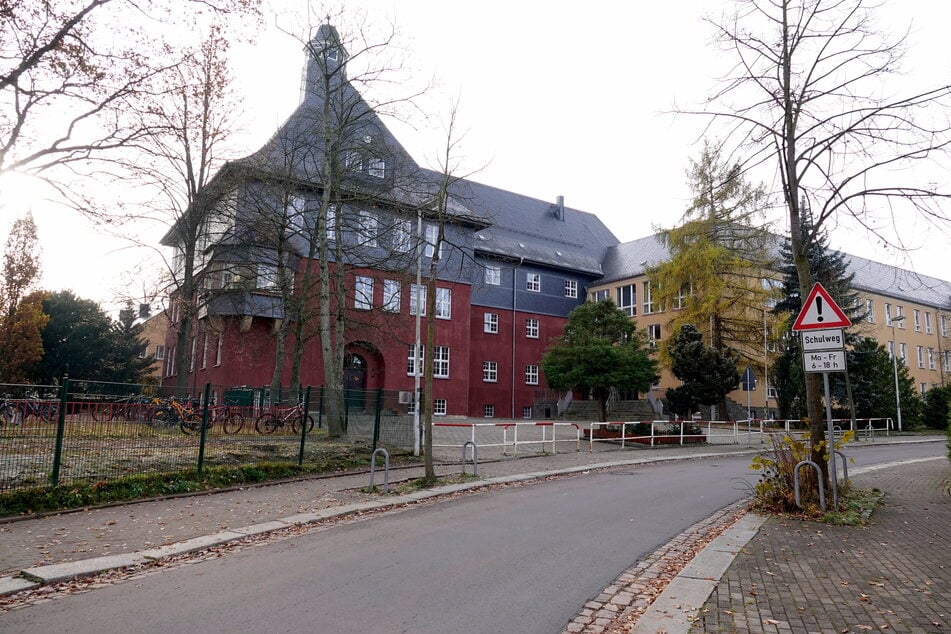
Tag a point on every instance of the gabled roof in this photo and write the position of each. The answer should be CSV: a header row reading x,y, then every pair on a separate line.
x,y
535,230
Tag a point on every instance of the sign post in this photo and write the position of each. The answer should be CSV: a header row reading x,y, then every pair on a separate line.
x,y
820,323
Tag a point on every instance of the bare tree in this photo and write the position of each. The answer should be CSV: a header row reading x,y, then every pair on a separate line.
x,y
807,97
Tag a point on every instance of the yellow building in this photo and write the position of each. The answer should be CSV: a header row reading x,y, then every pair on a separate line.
x,y
903,306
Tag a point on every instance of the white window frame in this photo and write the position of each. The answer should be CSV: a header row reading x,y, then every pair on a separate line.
x,y
532,328
268,276
368,229
888,314
601,295
363,292
627,304
218,350
194,352
159,352
947,360
419,362
403,236
533,282
899,312
493,275
490,323
488,411
648,300
653,335
945,330
929,328
392,294
204,352
376,167
490,372
531,374
870,311
443,308
526,411
920,356
931,359
422,290
439,407
571,289
903,352
441,362
432,235
917,318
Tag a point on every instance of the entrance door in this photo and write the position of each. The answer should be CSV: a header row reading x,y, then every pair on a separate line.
x,y
354,380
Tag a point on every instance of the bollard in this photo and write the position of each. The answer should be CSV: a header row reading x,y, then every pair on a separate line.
x,y
475,460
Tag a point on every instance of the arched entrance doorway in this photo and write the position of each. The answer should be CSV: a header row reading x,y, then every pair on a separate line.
x,y
354,380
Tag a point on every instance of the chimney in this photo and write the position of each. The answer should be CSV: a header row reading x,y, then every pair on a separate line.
x,y
144,311
560,207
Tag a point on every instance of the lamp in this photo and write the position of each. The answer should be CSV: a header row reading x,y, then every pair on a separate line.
x,y
895,365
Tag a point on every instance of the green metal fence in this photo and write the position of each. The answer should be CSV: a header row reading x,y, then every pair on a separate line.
x,y
91,431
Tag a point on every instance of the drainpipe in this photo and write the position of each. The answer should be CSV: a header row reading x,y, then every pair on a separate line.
x,y
521,260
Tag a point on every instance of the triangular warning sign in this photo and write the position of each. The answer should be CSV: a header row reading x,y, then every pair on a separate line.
x,y
820,311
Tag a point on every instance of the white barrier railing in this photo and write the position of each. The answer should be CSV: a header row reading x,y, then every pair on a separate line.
x,y
652,438
512,428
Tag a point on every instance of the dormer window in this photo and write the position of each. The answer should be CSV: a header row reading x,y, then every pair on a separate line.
x,y
332,54
376,167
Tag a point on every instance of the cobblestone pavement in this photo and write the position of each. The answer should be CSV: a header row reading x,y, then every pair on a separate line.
x,y
893,576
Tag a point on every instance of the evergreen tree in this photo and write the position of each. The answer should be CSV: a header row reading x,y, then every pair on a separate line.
x,y
77,340
600,348
936,409
707,374
872,371
832,271
128,362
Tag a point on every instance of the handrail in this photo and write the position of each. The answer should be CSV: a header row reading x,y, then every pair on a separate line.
x,y
514,427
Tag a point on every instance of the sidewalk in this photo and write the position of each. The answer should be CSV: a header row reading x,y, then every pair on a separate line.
x,y
897,572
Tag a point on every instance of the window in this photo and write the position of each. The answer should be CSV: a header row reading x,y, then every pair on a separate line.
x,y
367,231
903,351
870,311
402,236
488,411
391,296
527,411
917,316
294,213
204,352
920,354
159,352
439,407
531,375
627,299
531,328
376,167
682,295
931,360
432,237
603,294
191,357
928,328
144,354
891,348
267,277
493,275
441,362
947,360
414,366
417,293
533,282
922,388
218,351
490,323
888,314
653,335
331,222
490,371
898,314
443,303
353,161
944,326
648,298
363,293
571,289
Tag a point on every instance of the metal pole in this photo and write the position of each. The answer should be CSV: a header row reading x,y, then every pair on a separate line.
x,y
895,367
833,473
417,435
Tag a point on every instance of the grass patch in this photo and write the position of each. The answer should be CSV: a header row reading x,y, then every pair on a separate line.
x,y
856,507
147,485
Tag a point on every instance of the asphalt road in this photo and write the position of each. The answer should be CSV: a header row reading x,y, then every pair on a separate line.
x,y
519,560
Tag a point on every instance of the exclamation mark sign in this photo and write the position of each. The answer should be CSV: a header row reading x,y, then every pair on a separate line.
x,y
819,309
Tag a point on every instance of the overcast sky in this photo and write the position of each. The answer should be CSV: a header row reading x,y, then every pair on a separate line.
x,y
556,98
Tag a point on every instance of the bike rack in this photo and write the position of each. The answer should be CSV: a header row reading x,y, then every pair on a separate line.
x,y
386,468
845,466
475,460
822,493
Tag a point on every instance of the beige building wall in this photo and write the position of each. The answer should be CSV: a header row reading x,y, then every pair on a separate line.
x,y
923,336
154,331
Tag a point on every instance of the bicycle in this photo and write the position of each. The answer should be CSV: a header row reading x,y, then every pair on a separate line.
x,y
269,422
185,414
9,413
228,416
47,411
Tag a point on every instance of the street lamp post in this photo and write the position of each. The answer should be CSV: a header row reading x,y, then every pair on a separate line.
x,y
895,366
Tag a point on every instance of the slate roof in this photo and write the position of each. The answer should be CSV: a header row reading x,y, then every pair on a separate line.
x,y
529,228
631,259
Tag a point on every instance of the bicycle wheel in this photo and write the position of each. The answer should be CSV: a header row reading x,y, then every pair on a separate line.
x,y
163,416
233,423
191,424
49,412
295,424
266,423
103,412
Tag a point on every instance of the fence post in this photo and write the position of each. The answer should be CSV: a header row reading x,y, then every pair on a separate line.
x,y
305,408
60,431
320,409
376,419
203,435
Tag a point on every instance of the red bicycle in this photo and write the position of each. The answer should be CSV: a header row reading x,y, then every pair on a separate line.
x,y
278,418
